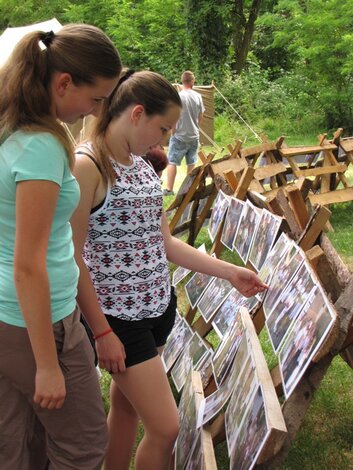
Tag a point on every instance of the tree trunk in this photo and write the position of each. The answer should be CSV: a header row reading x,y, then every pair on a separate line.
x,y
243,31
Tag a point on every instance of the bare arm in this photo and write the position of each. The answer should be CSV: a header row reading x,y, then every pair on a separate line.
x,y
182,254
200,118
35,206
110,350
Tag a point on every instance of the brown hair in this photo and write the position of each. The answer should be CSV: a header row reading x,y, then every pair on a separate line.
x,y
83,51
187,77
149,89
157,158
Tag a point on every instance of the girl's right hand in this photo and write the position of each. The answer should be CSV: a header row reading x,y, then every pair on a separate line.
x,y
50,390
111,353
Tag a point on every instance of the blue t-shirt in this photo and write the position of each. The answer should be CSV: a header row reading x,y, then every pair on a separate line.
x,y
37,156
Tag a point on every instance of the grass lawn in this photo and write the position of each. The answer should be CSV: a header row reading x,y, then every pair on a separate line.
x,y
325,441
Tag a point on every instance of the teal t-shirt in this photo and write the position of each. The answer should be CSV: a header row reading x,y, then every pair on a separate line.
x,y
37,156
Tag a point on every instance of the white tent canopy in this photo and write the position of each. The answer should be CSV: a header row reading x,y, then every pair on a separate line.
x,y
11,36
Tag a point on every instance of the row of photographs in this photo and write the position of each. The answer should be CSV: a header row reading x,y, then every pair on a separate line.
x,y
248,230
299,318
288,306
246,424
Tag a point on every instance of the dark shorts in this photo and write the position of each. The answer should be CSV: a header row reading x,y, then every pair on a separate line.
x,y
141,338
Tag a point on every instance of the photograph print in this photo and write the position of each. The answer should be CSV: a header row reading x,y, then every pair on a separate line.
x,y
193,353
231,222
186,215
252,435
187,183
205,367
177,339
274,258
213,297
282,275
289,305
196,286
180,273
218,213
308,333
214,402
227,350
239,401
247,226
187,434
186,395
196,459
228,312
264,238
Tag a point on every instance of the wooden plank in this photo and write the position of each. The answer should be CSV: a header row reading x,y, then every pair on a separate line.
x,y
208,450
277,380
332,197
202,327
293,151
259,320
199,221
217,429
235,164
231,179
267,171
202,156
293,164
274,416
259,200
324,170
298,205
316,227
235,153
325,185
257,149
190,315
189,195
304,185
341,272
275,206
322,267
207,445
347,144
256,186
244,183
288,214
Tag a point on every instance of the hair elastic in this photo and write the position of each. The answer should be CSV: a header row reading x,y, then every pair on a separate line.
x,y
128,73
47,38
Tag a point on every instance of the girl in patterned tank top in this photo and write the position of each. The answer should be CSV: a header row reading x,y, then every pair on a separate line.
x,y
123,246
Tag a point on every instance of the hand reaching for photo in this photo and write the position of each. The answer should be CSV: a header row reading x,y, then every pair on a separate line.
x,y
246,281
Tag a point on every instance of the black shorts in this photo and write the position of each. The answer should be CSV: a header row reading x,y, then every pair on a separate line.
x,y
141,338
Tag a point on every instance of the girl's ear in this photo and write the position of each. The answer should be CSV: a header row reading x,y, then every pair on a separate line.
x,y
61,82
136,113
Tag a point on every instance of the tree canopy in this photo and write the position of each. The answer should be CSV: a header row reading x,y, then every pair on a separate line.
x,y
302,46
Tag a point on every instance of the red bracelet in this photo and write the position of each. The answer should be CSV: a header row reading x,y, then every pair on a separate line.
x,y
105,333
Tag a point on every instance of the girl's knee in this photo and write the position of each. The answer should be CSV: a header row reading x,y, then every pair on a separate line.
x,y
167,432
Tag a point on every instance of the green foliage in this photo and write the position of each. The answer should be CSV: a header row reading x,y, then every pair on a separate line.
x,y
151,34
274,107
320,42
209,34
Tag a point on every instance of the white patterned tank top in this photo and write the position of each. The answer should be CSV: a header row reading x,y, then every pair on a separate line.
x,y
124,249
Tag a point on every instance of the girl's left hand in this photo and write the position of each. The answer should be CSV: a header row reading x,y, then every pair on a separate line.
x,y
246,281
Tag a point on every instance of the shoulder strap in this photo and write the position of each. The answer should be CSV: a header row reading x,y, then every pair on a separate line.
x,y
91,157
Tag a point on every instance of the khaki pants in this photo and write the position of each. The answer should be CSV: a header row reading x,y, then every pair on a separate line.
x,y
32,438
